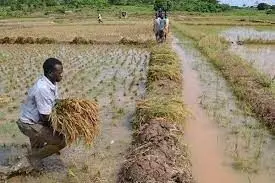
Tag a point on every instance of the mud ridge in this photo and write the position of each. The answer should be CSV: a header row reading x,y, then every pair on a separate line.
x,y
157,155
76,40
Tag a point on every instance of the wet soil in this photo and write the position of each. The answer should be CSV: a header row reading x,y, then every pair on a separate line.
x,y
115,77
227,143
157,156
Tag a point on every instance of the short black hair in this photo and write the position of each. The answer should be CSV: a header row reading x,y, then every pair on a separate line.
x,y
49,64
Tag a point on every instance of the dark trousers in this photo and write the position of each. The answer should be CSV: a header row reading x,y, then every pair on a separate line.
x,y
44,142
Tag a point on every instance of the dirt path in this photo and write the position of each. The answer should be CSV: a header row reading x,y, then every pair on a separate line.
x,y
201,133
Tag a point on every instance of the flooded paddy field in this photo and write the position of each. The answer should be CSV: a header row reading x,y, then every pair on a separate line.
x,y
243,33
260,54
114,76
261,57
238,146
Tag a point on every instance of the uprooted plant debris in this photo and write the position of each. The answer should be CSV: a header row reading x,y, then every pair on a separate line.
x,y
157,156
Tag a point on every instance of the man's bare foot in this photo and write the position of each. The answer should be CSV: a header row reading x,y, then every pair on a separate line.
x,y
4,172
23,166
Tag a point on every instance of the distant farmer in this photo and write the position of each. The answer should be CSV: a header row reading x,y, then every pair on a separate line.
x,y
34,120
100,18
156,26
162,25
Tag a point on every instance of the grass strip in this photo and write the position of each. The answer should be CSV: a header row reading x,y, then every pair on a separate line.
x,y
259,41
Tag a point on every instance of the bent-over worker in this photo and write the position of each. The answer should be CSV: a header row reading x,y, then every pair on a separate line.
x,y
34,120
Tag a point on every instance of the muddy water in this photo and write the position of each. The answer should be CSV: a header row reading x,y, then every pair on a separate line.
x,y
226,143
243,33
261,57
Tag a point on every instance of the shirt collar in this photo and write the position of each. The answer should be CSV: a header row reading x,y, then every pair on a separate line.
x,y
51,85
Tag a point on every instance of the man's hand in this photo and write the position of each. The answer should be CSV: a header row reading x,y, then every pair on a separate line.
x,y
58,101
45,120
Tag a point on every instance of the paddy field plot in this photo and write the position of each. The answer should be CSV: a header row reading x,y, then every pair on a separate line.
x,y
113,75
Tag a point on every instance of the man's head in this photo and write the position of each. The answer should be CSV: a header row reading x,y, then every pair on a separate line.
x,y
53,69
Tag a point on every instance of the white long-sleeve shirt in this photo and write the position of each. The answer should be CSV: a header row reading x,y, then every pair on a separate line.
x,y
40,100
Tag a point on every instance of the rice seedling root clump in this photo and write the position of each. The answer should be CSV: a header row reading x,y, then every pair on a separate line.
x,y
75,119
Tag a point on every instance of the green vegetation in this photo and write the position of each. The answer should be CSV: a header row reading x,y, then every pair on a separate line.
x,y
263,6
38,8
259,41
269,9
19,7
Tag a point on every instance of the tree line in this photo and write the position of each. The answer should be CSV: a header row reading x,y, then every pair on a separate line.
x,y
182,5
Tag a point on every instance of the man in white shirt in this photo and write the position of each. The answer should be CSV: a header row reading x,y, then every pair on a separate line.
x,y
162,25
156,26
100,18
34,119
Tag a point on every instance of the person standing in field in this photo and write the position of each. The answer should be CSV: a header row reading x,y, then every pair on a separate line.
x,y
100,18
34,120
156,26
162,25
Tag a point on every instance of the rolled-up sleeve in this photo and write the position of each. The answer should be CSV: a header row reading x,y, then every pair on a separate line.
x,y
44,102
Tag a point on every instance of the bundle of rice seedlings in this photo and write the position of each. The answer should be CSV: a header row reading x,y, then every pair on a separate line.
x,y
7,40
171,72
45,40
79,40
76,119
30,40
19,40
171,109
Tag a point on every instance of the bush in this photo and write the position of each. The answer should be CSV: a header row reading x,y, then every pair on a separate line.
x,y
263,6
200,6
52,3
165,5
270,11
225,7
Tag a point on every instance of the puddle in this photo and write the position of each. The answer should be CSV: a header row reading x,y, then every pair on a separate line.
x,y
259,56
9,153
113,75
247,148
242,33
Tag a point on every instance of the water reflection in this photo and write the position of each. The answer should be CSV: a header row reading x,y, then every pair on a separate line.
x,y
261,57
242,33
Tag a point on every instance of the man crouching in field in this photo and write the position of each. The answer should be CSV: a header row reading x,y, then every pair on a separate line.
x,y
34,120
